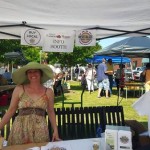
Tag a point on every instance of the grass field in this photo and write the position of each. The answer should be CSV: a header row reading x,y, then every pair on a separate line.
x,y
74,94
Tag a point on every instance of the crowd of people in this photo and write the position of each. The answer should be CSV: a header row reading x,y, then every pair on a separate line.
x,y
103,74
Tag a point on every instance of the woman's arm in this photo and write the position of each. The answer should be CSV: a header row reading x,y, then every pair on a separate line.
x,y
12,108
51,114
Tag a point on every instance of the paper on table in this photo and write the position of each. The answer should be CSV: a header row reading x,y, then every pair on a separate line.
x,y
34,148
60,145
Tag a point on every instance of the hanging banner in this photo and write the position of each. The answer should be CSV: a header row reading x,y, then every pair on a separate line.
x,y
32,37
85,38
58,42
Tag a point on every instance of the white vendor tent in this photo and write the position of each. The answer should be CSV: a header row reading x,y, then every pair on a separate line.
x,y
110,18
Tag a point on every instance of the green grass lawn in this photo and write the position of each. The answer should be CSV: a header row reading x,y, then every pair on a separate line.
x,y
74,94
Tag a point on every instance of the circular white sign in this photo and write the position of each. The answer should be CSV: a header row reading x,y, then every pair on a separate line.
x,y
85,37
32,36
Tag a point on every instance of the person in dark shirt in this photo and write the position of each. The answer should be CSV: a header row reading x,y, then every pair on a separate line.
x,y
76,71
102,77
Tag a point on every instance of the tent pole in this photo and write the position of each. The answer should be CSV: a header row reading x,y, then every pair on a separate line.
x,y
12,66
131,69
118,99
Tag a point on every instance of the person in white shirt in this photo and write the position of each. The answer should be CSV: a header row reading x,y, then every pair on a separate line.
x,y
90,75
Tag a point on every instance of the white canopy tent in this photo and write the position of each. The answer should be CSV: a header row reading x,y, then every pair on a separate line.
x,y
109,18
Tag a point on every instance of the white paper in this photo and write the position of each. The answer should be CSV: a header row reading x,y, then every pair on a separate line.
x,y
34,148
56,144
142,104
142,107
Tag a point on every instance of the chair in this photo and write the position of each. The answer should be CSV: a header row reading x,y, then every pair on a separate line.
x,y
70,102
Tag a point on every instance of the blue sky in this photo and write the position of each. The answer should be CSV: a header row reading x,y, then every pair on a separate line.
x,y
106,42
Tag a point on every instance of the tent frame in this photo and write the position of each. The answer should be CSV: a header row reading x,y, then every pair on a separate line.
x,y
121,32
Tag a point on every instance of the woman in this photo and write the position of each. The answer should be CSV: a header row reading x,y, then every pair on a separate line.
x,y
90,75
146,74
110,72
58,81
120,78
31,98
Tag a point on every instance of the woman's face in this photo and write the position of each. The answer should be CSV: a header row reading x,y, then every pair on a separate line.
x,y
34,74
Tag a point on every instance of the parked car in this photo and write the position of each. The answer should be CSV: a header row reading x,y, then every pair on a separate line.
x,y
137,72
128,74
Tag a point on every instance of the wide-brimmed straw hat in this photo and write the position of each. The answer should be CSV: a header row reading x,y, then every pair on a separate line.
x,y
19,76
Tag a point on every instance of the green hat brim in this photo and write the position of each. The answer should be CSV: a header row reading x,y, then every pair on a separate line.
x,y
19,76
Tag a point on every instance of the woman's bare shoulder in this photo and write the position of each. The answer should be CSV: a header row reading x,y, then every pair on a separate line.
x,y
18,88
17,92
49,90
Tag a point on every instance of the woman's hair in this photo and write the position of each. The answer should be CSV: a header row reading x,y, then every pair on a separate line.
x,y
109,60
122,66
89,65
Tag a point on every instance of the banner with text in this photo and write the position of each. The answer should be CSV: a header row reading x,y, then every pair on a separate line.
x,y
32,37
85,38
58,42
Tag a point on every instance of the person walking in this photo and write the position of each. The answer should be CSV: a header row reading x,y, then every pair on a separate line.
x,y
76,71
31,98
58,77
90,75
110,72
102,77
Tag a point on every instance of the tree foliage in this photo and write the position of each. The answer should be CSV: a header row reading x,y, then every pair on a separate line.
x,y
30,53
8,46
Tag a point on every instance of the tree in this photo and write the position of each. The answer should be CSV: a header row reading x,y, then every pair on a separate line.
x,y
8,46
31,53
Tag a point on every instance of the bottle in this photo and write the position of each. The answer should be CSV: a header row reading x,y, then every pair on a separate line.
x,y
98,132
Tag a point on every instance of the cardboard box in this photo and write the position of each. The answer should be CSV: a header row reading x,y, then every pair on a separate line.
x,y
111,138
144,140
118,137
